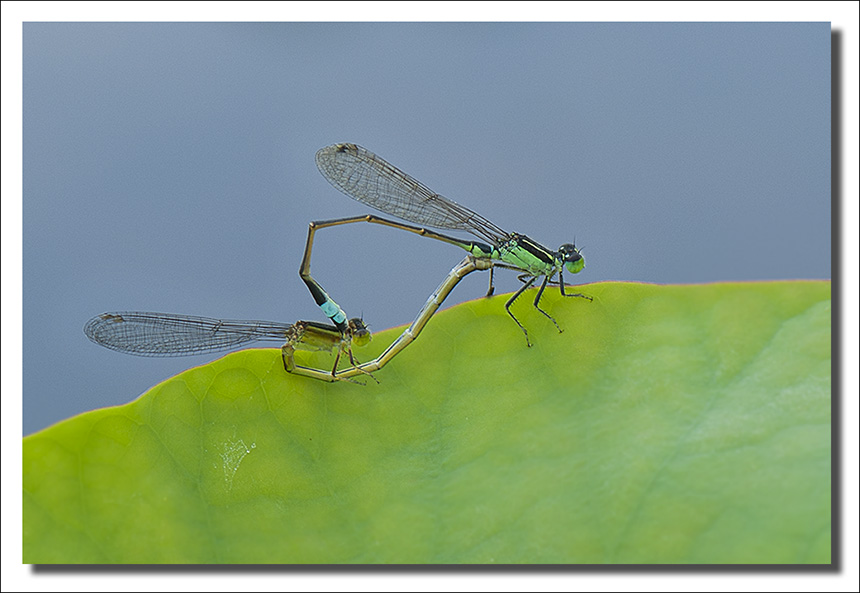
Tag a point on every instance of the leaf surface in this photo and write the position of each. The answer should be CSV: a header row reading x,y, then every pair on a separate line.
x,y
667,424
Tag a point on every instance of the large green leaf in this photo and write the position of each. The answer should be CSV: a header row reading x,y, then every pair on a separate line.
x,y
667,424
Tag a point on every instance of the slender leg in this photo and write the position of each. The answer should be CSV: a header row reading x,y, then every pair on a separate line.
x,y
537,306
561,287
296,336
287,352
510,302
355,364
336,360
346,345
481,250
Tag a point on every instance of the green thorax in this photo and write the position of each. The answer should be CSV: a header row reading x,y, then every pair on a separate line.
x,y
524,253
520,251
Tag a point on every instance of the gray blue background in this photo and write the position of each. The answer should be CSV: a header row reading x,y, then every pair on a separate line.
x,y
169,167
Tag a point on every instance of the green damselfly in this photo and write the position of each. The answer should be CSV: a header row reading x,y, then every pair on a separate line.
x,y
369,179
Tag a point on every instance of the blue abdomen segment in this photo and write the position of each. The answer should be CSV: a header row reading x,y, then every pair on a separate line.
x,y
333,311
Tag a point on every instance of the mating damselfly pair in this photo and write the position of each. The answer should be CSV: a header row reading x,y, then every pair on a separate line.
x,y
369,179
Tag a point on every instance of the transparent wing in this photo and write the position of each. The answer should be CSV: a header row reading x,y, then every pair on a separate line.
x,y
165,334
371,180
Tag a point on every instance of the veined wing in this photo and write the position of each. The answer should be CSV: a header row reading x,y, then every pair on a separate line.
x,y
165,334
371,180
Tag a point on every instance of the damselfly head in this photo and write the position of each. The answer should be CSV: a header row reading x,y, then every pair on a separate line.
x,y
572,258
360,334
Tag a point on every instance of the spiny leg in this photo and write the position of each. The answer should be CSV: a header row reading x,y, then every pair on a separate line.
x,y
355,364
334,372
492,288
547,281
493,266
537,300
510,302
568,294
561,287
287,352
336,360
